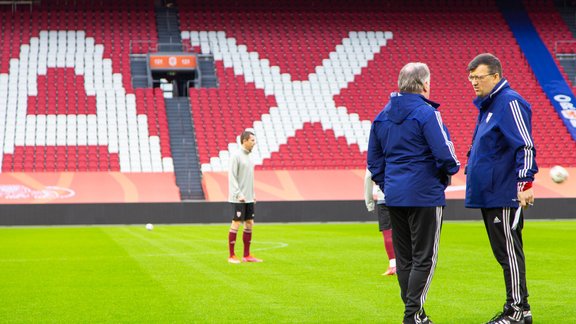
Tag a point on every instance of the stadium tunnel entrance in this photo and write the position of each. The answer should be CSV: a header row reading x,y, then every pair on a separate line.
x,y
175,83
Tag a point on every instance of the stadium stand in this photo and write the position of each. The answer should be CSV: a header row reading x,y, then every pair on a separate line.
x,y
66,90
308,78
276,62
552,25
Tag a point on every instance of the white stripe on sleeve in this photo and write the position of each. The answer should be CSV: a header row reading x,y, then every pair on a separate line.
x,y
446,140
528,145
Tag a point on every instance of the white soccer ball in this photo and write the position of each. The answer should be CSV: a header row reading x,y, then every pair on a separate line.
x,y
149,226
558,174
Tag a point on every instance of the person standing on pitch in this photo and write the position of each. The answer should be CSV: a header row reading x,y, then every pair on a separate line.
x,y
383,219
241,195
411,158
499,174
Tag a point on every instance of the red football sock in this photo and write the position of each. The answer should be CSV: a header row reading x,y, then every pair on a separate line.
x,y
231,241
387,234
247,238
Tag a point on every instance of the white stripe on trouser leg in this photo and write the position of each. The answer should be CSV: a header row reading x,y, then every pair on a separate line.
x,y
512,260
434,256
516,217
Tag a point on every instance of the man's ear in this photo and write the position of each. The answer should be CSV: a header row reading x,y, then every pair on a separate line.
x,y
427,86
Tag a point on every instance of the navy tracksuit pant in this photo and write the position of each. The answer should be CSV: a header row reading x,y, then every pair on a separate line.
x,y
416,235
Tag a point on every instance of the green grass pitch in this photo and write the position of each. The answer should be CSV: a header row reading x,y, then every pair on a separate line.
x,y
312,273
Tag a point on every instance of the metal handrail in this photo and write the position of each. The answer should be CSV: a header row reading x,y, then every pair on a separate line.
x,y
558,42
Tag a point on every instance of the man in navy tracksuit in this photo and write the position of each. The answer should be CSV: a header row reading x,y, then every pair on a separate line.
x,y
499,175
411,158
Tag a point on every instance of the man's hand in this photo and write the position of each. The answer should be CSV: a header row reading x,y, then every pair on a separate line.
x,y
526,197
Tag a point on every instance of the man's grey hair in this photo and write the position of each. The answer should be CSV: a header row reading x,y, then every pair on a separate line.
x,y
413,76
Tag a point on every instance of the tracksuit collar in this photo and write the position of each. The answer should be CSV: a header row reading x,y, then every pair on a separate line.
x,y
483,102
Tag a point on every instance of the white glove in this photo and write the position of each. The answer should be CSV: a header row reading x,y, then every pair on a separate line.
x,y
370,204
